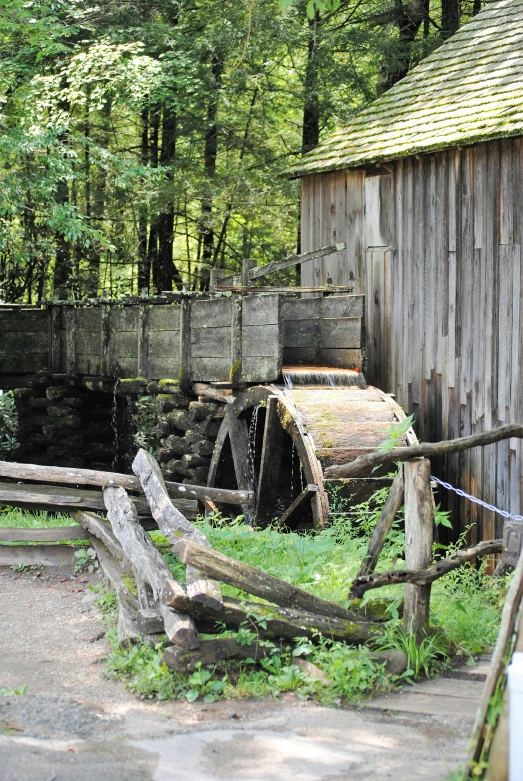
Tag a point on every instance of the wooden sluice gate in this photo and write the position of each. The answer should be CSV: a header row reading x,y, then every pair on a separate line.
x,y
255,392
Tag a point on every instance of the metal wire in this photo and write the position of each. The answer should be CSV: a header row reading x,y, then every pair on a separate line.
x,y
474,499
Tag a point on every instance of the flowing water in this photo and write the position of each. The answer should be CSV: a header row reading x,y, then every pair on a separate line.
x,y
253,432
323,376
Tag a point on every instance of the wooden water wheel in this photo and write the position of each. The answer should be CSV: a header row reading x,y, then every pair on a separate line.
x,y
276,441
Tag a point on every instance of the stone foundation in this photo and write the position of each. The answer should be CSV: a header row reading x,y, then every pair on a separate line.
x,y
91,422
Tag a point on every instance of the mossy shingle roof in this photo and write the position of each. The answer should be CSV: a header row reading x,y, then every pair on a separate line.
x,y
468,90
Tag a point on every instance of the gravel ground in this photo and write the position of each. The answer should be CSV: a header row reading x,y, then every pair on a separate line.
x,y
73,724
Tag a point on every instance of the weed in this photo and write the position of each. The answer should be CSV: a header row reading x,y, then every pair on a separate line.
x,y
26,568
85,559
201,684
427,657
12,692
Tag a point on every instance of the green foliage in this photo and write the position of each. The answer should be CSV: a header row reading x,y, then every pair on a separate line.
x,y
426,657
85,559
8,426
13,692
395,434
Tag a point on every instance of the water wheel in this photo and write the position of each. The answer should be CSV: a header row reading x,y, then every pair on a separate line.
x,y
276,441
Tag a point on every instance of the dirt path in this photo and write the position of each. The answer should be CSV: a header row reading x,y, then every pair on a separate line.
x,y
75,725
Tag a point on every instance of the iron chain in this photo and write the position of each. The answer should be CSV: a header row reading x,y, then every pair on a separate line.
x,y
474,499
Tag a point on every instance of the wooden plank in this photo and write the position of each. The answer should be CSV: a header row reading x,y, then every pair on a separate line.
x,y
143,340
301,308
55,324
418,543
270,463
239,440
341,333
261,309
37,555
260,340
215,311
293,260
211,342
186,323
51,534
295,513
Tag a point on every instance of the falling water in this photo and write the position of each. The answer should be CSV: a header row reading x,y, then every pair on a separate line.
x,y
253,431
324,376
302,479
114,424
293,453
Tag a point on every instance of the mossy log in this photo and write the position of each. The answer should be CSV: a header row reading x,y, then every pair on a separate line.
x,y
213,651
273,621
257,582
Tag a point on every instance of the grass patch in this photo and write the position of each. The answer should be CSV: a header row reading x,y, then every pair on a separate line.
x,y
17,518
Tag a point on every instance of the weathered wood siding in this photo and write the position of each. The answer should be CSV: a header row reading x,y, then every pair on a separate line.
x,y
324,331
205,336
435,245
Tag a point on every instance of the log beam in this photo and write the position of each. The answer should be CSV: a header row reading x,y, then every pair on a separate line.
x,y
257,582
147,561
423,577
424,449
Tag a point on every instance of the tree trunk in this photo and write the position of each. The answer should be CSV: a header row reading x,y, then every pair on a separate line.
x,y
154,158
450,17
311,107
408,18
62,266
210,156
144,268
166,268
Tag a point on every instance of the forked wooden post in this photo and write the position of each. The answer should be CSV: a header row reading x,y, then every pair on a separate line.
x,y
418,542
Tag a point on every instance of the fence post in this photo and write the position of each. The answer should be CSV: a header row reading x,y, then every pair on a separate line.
x,y
247,264
418,542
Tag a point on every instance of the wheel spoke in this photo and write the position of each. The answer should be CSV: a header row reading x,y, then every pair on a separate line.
x,y
270,463
293,515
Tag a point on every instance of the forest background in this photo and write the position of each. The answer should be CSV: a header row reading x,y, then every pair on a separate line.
x,y
143,143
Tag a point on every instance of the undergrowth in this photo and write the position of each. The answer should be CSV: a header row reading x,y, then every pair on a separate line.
x,y
465,611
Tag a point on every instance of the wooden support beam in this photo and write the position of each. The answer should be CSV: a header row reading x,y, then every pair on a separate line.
x,y
418,543
428,449
146,560
255,581
423,577
239,439
383,525
293,515
248,265
293,260
270,464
